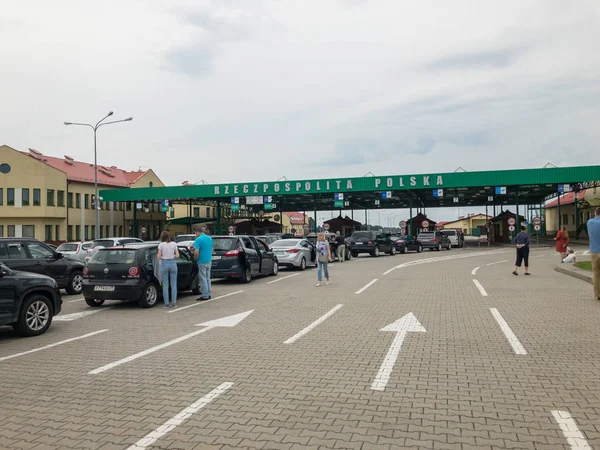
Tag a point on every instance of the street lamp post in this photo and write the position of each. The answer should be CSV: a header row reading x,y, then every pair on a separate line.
x,y
95,128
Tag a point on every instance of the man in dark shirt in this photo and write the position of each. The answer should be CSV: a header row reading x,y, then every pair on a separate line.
x,y
522,241
341,246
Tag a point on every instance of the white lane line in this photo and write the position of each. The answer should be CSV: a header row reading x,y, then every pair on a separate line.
x,y
512,337
52,345
76,300
321,319
147,351
364,288
184,415
497,262
283,278
79,315
474,271
202,302
567,424
480,287
443,258
538,256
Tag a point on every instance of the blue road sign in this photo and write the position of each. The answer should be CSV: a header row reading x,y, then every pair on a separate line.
x,y
501,190
235,200
338,197
564,188
438,192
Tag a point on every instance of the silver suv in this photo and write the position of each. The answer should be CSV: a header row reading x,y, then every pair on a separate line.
x,y
434,240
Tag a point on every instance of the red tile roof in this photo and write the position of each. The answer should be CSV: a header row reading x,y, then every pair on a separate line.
x,y
84,172
566,199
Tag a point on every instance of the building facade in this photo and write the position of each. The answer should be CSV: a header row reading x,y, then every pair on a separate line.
x,y
470,225
566,213
52,199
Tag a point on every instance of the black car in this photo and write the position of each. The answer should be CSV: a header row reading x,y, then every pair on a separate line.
x,y
31,255
242,258
28,301
130,273
371,242
434,240
406,244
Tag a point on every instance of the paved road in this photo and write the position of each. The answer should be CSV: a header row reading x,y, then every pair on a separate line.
x,y
507,362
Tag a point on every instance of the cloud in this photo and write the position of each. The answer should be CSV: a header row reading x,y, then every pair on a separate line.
x,y
482,59
195,60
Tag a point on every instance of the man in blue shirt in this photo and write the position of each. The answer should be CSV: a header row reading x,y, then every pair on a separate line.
x,y
522,241
593,229
203,247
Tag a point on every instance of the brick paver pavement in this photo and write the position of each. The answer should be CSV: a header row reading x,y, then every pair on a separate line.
x,y
458,385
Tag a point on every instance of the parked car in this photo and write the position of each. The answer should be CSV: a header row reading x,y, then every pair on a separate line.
x,y
297,253
28,301
406,244
31,255
131,273
108,242
371,242
267,239
242,258
312,238
456,239
434,240
185,237
75,250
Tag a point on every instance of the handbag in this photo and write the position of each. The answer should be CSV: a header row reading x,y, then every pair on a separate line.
x,y
323,259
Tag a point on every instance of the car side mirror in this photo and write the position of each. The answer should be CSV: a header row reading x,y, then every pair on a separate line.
x,y
59,255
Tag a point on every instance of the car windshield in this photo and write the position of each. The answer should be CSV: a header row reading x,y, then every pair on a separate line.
x,y
86,245
224,243
427,235
449,232
67,247
285,243
102,243
362,235
114,256
185,237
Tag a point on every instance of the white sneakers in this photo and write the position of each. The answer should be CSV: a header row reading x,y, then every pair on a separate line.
x,y
319,283
327,282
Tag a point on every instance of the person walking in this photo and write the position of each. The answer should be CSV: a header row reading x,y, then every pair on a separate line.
x,y
167,253
341,246
203,247
323,258
562,241
593,229
522,241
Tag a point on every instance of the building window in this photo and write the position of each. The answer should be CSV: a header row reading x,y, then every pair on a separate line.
x,y
11,230
573,219
120,230
29,231
50,197
77,200
37,197
196,211
48,233
70,232
87,232
57,232
78,232
114,230
128,206
1,230
207,212
60,198
70,200
565,219
107,230
25,196
93,231
86,201
10,197
1,196
101,231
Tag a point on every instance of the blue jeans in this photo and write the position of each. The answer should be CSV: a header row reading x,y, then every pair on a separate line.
x,y
168,274
204,275
322,266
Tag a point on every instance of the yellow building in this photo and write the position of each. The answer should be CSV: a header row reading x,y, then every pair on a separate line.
x,y
587,201
469,224
51,199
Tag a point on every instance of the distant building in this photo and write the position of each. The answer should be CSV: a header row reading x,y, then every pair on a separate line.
x,y
295,221
470,225
51,199
587,201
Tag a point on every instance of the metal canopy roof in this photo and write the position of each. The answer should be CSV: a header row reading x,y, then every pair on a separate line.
x,y
456,189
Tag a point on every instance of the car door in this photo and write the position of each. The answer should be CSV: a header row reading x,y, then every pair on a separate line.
x,y
308,251
252,255
184,269
46,261
8,300
266,257
17,257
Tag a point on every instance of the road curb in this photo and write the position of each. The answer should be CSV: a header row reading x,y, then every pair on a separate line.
x,y
576,273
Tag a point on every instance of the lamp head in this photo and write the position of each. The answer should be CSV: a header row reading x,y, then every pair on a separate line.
x,y
68,123
110,113
129,119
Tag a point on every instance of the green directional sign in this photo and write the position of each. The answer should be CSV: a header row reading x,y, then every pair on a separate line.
x,y
338,204
268,206
235,207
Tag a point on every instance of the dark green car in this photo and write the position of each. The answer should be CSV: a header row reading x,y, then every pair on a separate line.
x,y
406,244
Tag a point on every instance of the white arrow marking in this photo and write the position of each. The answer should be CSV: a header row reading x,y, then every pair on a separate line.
x,y
567,424
480,287
442,258
497,262
52,345
283,278
79,315
229,321
185,414
401,327
324,317
474,271
512,337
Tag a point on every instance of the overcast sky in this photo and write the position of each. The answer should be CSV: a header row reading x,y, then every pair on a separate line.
x,y
244,90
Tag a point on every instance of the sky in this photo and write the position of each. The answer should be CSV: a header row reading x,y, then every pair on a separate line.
x,y
252,90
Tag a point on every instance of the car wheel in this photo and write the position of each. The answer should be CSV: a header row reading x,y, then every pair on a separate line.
x,y
35,316
419,249
375,252
275,269
393,250
75,285
94,302
196,285
404,250
302,264
348,256
439,248
354,254
247,275
449,247
149,296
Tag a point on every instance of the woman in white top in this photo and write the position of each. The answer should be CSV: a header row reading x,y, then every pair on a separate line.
x,y
167,252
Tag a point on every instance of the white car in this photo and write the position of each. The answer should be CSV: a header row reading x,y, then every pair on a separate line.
x,y
75,250
454,236
296,253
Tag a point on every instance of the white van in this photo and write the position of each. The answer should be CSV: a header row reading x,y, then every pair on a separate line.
x,y
454,236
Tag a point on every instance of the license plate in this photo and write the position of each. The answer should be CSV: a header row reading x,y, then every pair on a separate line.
x,y
104,288
216,257
358,243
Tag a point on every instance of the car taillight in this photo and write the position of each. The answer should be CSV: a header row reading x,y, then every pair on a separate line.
x,y
293,250
192,248
370,243
134,272
235,252
434,240
85,272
